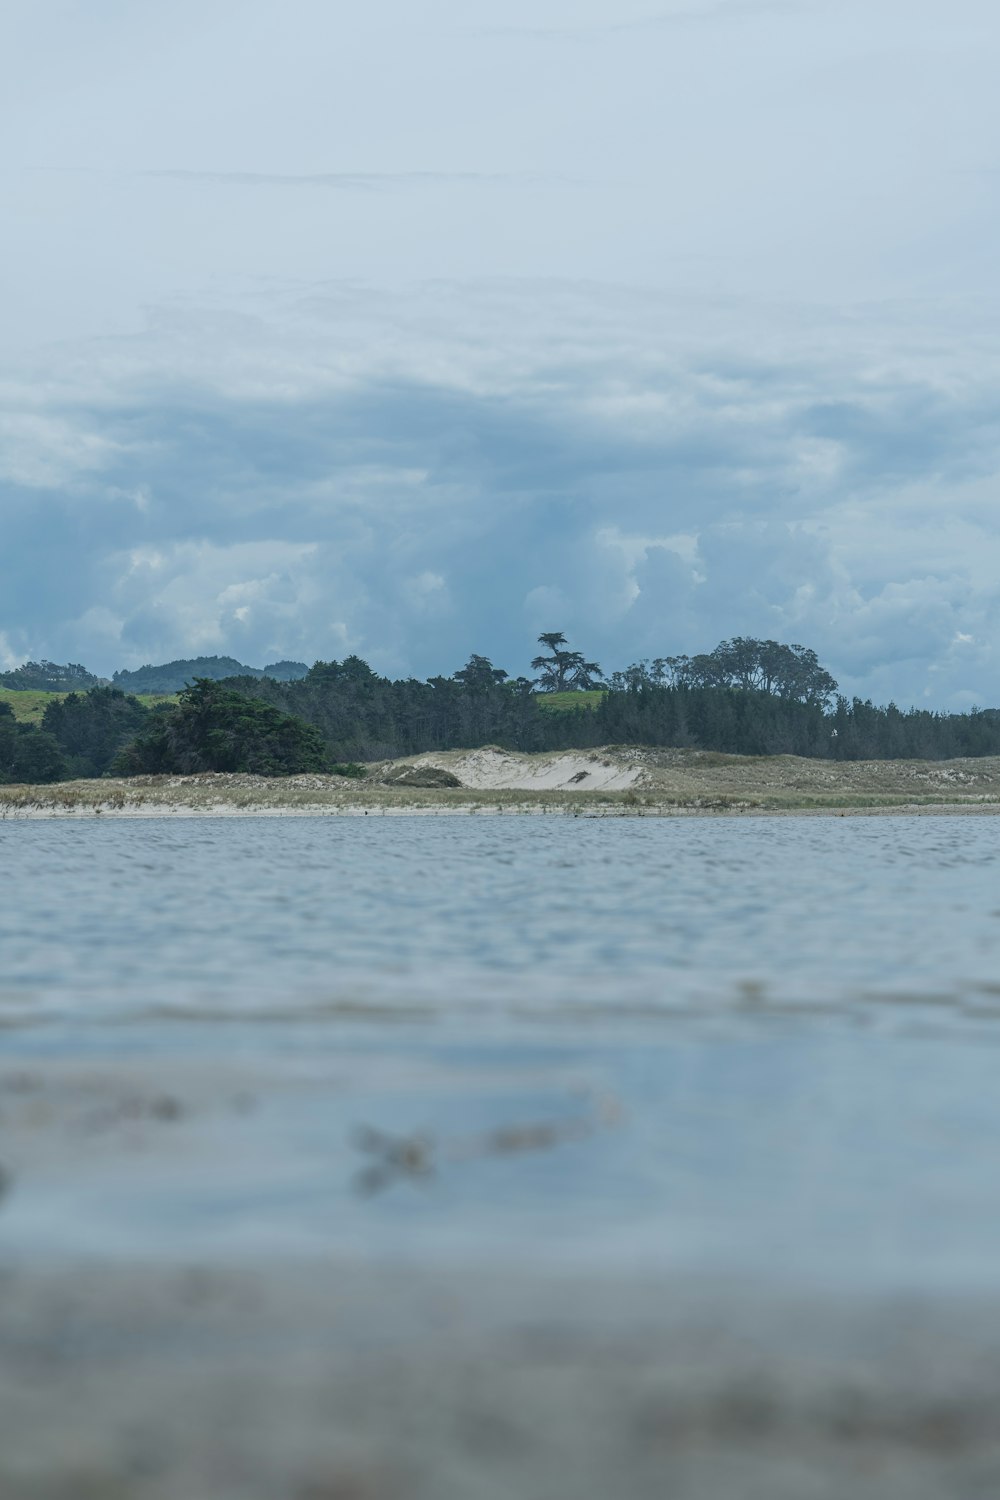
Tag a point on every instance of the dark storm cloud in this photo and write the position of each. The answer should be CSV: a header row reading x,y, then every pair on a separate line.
x,y
646,507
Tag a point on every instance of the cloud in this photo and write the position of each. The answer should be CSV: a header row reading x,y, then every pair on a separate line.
x,y
301,359
349,181
707,14
421,475
41,450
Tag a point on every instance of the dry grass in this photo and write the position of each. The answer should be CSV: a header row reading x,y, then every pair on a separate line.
x,y
671,782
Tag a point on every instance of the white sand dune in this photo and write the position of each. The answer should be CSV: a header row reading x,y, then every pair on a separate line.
x,y
567,771
627,780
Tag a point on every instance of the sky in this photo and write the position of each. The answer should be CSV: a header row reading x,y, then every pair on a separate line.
x,y
417,330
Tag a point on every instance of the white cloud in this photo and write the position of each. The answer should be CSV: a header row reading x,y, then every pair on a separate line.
x,y
557,470
39,450
691,328
9,657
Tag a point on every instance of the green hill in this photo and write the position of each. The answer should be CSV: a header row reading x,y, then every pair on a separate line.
x,y
570,700
29,705
49,677
173,676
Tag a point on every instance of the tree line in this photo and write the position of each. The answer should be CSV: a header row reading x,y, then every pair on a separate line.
x,y
169,677
747,697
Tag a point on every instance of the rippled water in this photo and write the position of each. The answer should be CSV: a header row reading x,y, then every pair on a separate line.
x,y
758,1046
445,913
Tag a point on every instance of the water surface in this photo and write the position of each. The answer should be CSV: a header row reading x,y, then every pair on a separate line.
x,y
758,1048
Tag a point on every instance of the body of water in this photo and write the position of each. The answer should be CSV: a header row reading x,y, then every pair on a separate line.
x,y
459,1159
761,1047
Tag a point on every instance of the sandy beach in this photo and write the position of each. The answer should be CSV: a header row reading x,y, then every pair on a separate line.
x,y
615,781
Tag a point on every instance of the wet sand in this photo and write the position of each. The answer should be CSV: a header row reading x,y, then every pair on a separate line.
x,y
334,1381
155,1370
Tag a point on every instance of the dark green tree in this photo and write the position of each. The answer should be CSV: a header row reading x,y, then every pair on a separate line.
x,y
214,728
91,728
479,674
734,700
563,670
27,754
49,677
756,666
640,674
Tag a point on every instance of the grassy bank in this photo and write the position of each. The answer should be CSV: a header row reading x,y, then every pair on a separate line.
x,y
569,700
29,705
666,783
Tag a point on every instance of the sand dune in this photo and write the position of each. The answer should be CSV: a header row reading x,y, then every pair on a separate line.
x,y
568,771
614,780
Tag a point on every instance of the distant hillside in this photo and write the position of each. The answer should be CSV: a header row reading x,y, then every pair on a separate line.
x,y
47,677
282,671
172,676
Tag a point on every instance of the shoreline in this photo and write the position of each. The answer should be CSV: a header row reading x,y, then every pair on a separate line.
x,y
143,810
614,781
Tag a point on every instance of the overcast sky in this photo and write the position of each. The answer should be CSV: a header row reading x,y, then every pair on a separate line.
x,y
417,329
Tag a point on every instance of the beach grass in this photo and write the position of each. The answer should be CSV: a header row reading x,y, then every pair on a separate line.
x,y
223,795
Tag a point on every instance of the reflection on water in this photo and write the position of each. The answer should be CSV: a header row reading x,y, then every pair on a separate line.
x,y
760,1047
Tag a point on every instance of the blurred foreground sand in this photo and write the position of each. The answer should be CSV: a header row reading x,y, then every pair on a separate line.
x,y
332,1382
245,1372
